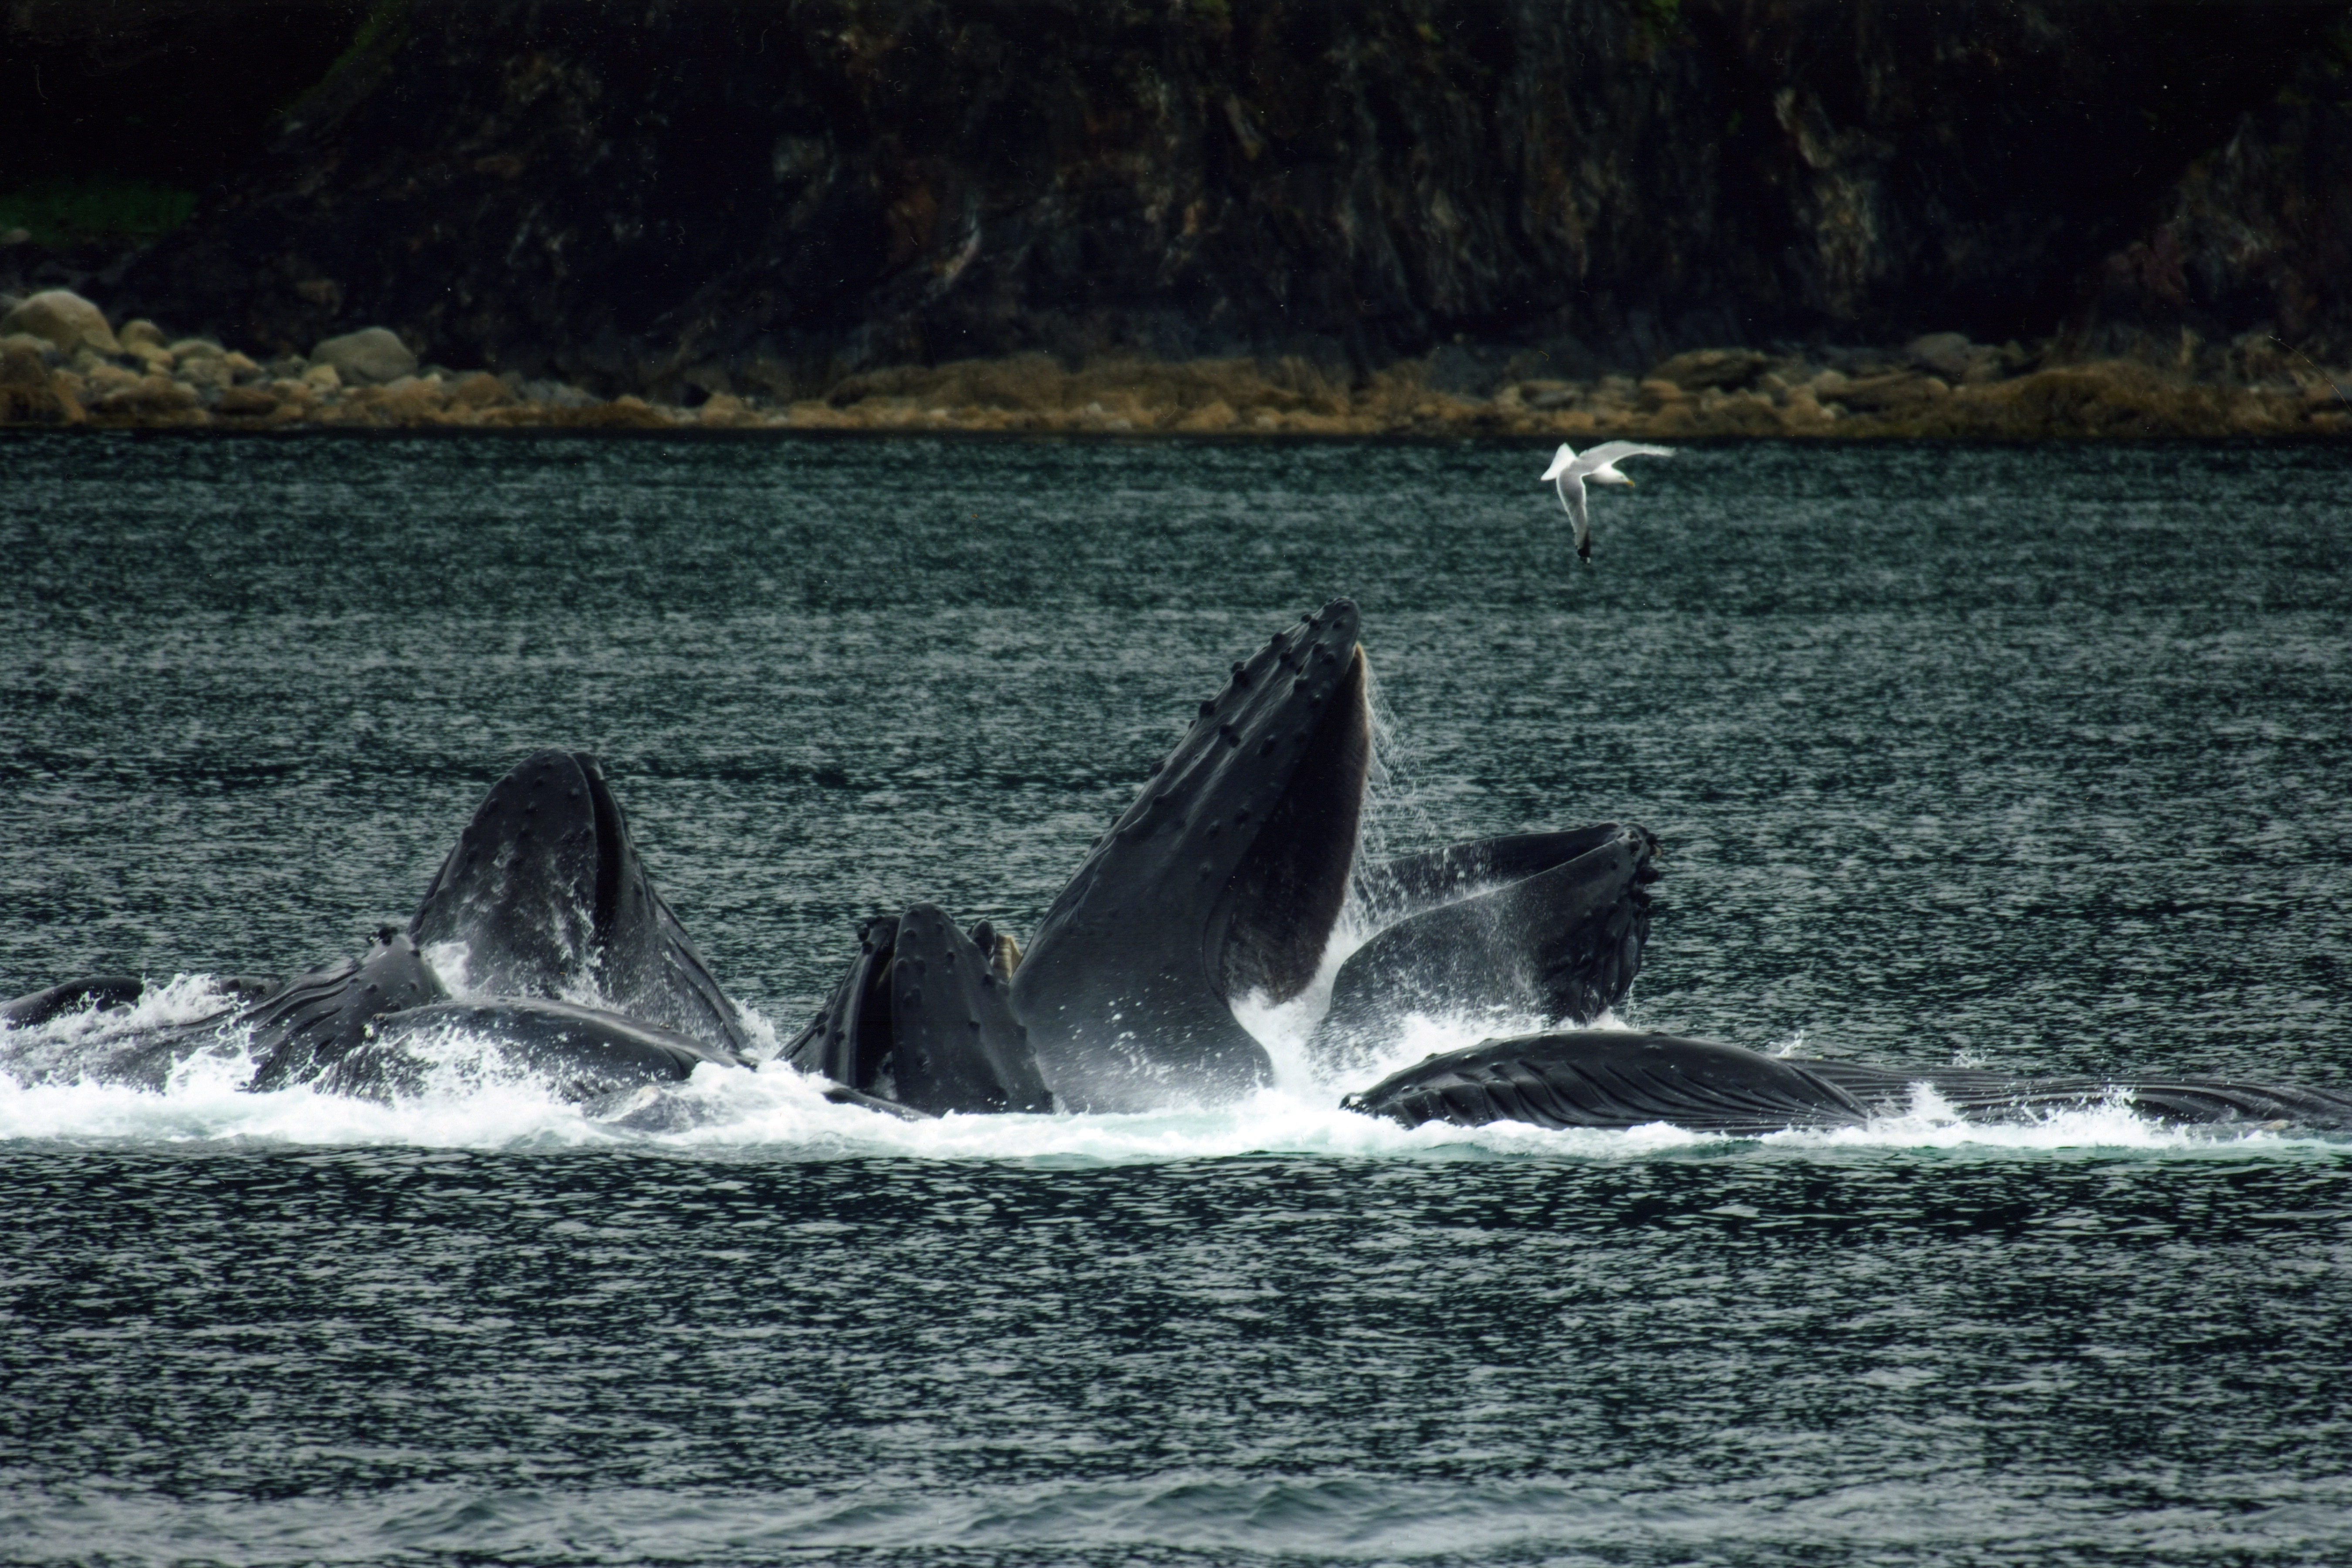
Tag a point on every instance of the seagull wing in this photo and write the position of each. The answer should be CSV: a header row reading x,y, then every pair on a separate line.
x,y
1560,460
1570,486
1606,454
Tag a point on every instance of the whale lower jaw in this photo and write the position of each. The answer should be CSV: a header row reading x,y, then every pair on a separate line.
x,y
1614,1080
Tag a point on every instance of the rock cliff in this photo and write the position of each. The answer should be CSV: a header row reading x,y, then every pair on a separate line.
x,y
2247,272
679,198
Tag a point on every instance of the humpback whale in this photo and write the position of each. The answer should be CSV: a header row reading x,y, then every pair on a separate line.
x,y
924,1019
544,896
542,904
1235,876
1616,1079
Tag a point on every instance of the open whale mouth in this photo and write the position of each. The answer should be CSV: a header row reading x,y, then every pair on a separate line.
x,y
544,896
530,894
1541,926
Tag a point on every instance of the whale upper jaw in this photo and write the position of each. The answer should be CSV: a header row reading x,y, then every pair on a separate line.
x,y
1225,877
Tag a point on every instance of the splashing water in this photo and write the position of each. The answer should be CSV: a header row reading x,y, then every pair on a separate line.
x,y
473,1097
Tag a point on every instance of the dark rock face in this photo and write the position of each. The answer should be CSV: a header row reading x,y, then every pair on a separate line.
x,y
2252,262
737,196
180,92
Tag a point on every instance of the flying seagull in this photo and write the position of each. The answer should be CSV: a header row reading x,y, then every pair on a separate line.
x,y
1568,472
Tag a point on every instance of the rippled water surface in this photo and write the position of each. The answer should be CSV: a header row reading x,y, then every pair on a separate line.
x,y
2038,758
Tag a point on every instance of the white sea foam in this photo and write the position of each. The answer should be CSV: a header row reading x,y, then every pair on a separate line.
x,y
470,1099
450,962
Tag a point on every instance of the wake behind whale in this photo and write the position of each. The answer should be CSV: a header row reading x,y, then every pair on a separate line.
x,y
541,954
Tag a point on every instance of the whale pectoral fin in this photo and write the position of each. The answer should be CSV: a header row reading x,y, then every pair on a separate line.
x,y
956,1042
1607,1079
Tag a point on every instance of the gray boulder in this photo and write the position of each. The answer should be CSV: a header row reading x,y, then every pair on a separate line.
x,y
1948,354
65,319
556,395
1702,370
371,356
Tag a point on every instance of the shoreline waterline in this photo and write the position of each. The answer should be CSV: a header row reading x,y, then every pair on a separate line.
x,y
63,364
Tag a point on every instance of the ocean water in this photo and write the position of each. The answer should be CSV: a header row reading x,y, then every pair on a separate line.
x,y
2031,757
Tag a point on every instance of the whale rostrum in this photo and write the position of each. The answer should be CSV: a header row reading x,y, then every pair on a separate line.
x,y
924,1019
1233,882
1224,879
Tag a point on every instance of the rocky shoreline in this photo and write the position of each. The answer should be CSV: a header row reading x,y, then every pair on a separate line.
x,y
64,364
